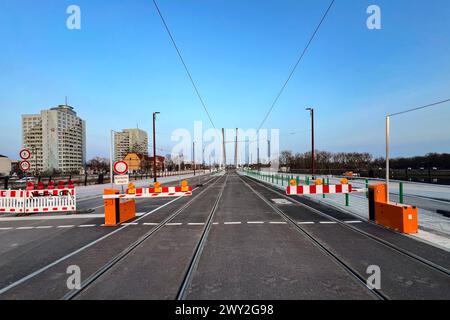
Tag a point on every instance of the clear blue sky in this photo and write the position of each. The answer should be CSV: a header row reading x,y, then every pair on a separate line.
x,y
120,67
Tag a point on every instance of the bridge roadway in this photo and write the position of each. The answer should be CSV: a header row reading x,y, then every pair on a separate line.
x,y
235,238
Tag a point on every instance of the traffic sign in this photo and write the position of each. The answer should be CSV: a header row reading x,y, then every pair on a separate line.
x,y
25,166
120,167
25,154
122,180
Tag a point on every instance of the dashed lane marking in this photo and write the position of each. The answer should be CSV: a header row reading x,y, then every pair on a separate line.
x,y
176,224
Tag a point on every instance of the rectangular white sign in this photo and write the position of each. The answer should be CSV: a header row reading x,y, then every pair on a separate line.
x,y
122,180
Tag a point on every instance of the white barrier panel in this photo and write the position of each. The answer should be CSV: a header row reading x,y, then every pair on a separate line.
x,y
38,201
12,201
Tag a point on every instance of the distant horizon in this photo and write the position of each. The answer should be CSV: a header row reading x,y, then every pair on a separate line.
x,y
120,67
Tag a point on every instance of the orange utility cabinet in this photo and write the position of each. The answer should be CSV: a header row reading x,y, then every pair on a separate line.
x,y
401,218
116,210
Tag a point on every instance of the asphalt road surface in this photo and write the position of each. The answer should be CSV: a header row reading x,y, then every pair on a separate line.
x,y
234,238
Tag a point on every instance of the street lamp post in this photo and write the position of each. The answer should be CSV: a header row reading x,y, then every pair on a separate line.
x,y
311,110
111,147
388,120
388,123
155,179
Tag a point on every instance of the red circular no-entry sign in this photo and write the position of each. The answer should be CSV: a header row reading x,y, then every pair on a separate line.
x,y
120,167
25,154
25,166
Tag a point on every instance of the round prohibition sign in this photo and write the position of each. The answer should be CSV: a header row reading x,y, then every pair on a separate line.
x,y
120,167
25,154
25,166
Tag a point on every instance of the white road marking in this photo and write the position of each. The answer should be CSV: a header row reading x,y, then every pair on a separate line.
x,y
196,224
355,221
215,223
68,226
255,222
87,225
174,224
305,222
44,227
130,224
5,228
281,201
232,222
327,222
150,224
277,222
60,217
24,228
39,271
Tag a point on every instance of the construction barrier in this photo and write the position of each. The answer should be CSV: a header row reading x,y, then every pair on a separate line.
x,y
320,189
161,192
399,217
37,201
120,208
12,201
117,210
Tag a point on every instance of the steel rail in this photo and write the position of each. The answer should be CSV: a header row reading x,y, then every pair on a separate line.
x,y
360,279
111,263
393,247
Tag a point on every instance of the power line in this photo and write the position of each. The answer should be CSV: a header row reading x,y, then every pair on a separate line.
x,y
184,64
296,65
419,108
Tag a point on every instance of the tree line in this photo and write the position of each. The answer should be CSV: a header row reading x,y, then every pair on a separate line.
x,y
325,160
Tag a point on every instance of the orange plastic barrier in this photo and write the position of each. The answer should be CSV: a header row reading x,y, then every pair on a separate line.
x,y
401,218
116,210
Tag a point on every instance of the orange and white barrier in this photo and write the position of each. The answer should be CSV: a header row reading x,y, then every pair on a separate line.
x,y
156,192
37,201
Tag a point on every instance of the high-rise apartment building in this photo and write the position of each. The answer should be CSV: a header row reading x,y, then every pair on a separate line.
x,y
56,138
130,140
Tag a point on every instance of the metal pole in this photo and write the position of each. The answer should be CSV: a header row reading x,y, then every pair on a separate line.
x,y
312,144
236,150
193,156
387,156
155,178
111,159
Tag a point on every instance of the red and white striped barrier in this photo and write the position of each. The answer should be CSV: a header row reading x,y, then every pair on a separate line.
x,y
12,201
37,201
153,193
320,189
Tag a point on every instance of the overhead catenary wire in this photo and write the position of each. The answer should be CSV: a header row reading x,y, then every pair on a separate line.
x,y
419,108
184,63
296,64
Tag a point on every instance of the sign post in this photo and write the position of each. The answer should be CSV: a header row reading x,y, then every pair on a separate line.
x,y
121,168
25,165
